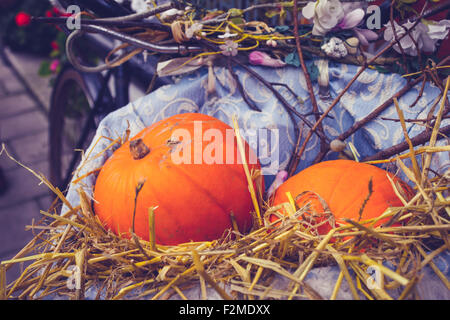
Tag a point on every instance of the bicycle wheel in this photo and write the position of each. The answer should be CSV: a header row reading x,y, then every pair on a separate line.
x,y
71,103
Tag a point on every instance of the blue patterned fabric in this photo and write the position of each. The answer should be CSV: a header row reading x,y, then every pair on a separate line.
x,y
189,94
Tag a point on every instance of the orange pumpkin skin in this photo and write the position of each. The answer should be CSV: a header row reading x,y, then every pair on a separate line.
x,y
344,186
193,201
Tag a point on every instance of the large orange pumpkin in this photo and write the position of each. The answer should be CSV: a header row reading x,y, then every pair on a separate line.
x,y
192,196
344,187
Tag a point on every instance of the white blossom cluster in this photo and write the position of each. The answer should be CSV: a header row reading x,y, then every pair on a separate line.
x,y
335,48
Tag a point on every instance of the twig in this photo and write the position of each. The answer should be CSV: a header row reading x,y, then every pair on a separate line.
x,y
241,89
315,108
359,124
421,138
391,21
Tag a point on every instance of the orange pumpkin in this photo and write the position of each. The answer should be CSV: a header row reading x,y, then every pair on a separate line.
x,y
192,196
344,187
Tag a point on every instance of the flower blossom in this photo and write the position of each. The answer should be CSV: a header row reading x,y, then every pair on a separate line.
x,y
263,59
331,15
23,19
192,30
227,34
229,48
326,14
279,179
54,65
425,36
139,5
335,48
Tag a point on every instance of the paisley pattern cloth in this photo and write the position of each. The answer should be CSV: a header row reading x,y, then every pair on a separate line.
x,y
189,94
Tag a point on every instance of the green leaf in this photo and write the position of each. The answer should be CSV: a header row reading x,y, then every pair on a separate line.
x,y
292,59
408,1
238,21
381,69
313,71
44,69
272,13
281,29
55,54
235,12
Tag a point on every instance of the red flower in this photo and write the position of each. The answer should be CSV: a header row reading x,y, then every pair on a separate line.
x,y
55,45
56,11
23,19
49,13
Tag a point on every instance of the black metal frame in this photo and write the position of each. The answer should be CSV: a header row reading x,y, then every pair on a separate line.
x,y
103,105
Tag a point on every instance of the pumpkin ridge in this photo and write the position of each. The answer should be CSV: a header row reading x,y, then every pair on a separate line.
x,y
159,199
333,193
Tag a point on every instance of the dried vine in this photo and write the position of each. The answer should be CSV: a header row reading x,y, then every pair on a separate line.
x,y
224,25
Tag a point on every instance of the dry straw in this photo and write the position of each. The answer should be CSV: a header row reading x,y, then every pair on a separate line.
x,y
75,247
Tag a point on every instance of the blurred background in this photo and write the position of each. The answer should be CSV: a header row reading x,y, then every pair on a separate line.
x,y
30,58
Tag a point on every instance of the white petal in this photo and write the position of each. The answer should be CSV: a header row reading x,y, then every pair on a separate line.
x,y
318,30
327,21
428,44
353,18
308,10
437,31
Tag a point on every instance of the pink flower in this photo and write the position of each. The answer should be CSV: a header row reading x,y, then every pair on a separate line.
x,y
279,179
365,35
54,65
229,48
259,58
352,19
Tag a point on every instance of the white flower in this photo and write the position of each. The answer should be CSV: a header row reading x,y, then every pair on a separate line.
x,y
139,5
426,36
230,48
171,13
192,30
227,34
335,48
272,43
326,13
438,30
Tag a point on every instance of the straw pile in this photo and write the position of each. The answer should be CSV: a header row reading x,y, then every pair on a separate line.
x,y
75,248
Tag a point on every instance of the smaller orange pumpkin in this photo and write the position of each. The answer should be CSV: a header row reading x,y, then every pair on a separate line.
x,y
343,187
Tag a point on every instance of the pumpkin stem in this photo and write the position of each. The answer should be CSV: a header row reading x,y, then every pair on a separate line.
x,y
138,149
